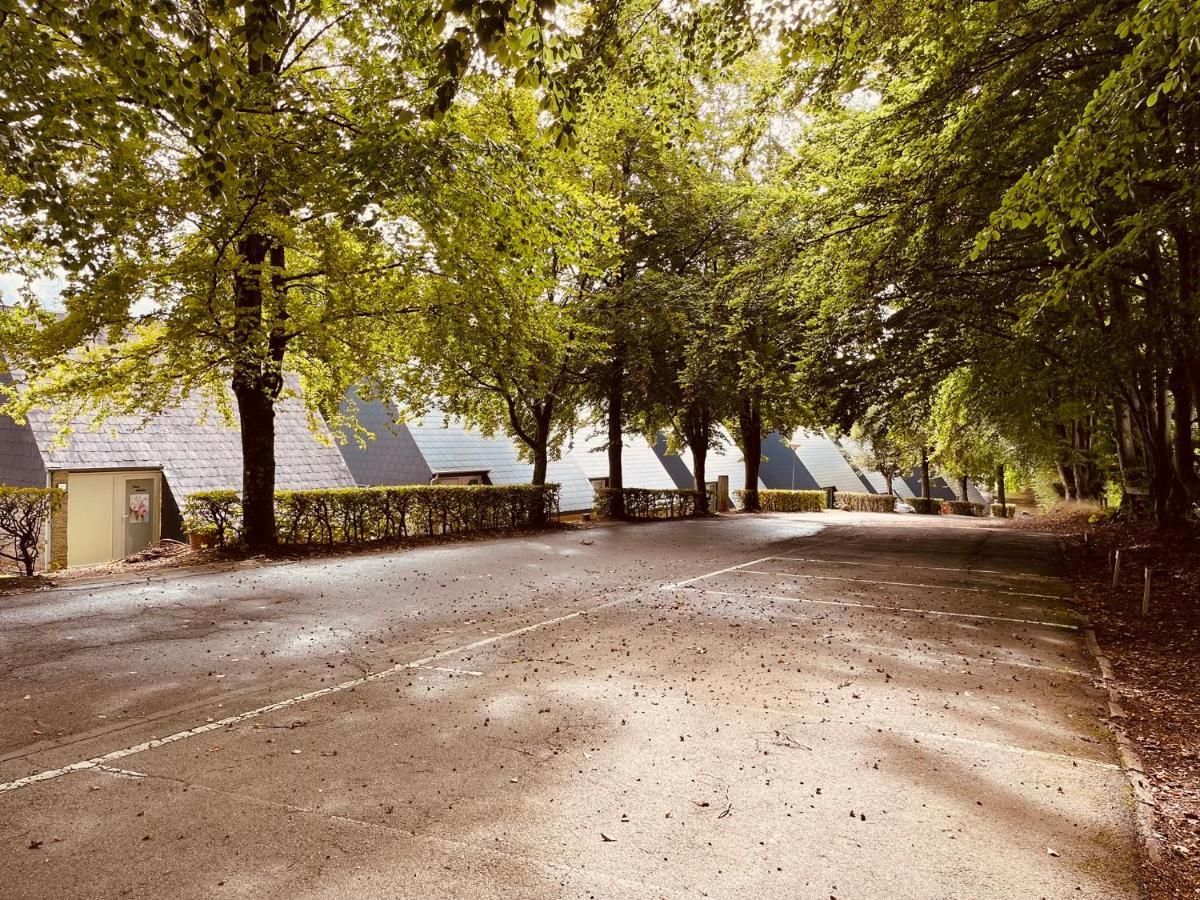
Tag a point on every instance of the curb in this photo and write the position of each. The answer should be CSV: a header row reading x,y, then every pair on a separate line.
x,y
1144,805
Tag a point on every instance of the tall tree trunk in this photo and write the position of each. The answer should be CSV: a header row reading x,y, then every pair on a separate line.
x,y
257,358
1000,489
699,458
962,488
616,429
750,428
1183,445
925,472
697,431
1066,475
887,477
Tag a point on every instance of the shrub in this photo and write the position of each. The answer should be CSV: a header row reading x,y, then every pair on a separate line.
x,y
963,508
648,503
1002,511
786,501
23,516
216,513
866,502
328,517
929,506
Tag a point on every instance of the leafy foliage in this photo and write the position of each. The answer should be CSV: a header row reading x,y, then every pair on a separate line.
x,y
338,516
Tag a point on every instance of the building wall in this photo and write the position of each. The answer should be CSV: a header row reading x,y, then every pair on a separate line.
x,y
58,524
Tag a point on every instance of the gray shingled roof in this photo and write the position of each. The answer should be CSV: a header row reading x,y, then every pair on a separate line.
x,y
640,465
448,445
196,450
825,461
725,459
415,451
850,449
781,469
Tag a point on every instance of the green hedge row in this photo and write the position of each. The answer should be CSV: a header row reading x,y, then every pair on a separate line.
x,y
332,516
647,503
866,502
23,516
786,501
1004,511
963,508
929,506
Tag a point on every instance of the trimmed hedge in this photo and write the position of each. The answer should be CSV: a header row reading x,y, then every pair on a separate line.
x,y
963,508
331,516
23,516
647,503
786,501
866,502
1004,511
928,506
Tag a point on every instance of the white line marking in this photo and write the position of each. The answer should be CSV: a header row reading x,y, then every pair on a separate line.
x,y
891,609
932,736
424,662
753,562
448,669
888,565
124,773
936,587
293,701
975,664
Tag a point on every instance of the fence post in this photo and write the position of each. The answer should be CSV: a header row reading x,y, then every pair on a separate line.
x,y
1146,594
1116,568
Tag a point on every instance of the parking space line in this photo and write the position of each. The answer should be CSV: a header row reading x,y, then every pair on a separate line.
x,y
153,743
933,736
935,587
967,571
447,669
891,609
424,662
753,562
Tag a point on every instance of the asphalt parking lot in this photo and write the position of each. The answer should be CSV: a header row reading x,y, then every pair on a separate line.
x,y
824,705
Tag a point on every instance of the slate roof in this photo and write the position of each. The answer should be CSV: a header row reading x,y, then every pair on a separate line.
x,y
725,459
640,465
824,460
192,445
20,460
673,464
415,451
875,480
781,469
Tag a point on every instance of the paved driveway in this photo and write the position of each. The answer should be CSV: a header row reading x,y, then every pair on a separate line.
x,y
826,705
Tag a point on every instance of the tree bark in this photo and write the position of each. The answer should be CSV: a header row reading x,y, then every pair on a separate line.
x,y
697,431
257,362
1000,489
616,429
1183,445
925,472
750,428
962,488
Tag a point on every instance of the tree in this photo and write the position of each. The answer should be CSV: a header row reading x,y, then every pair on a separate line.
x,y
223,190
519,244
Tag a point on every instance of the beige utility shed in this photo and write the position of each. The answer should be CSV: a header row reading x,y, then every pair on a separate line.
x,y
111,513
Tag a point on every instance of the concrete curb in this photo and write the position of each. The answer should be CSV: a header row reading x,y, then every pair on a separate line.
x,y
1144,804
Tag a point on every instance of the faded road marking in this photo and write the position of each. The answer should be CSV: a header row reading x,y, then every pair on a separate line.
x,y
932,587
891,609
424,662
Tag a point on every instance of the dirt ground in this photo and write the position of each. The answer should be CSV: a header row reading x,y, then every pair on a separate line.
x,y
1154,660
821,705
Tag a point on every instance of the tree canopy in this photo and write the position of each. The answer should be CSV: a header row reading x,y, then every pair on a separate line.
x,y
962,232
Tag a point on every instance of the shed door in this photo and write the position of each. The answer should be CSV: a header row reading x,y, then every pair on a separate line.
x,y
139,511
89,519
